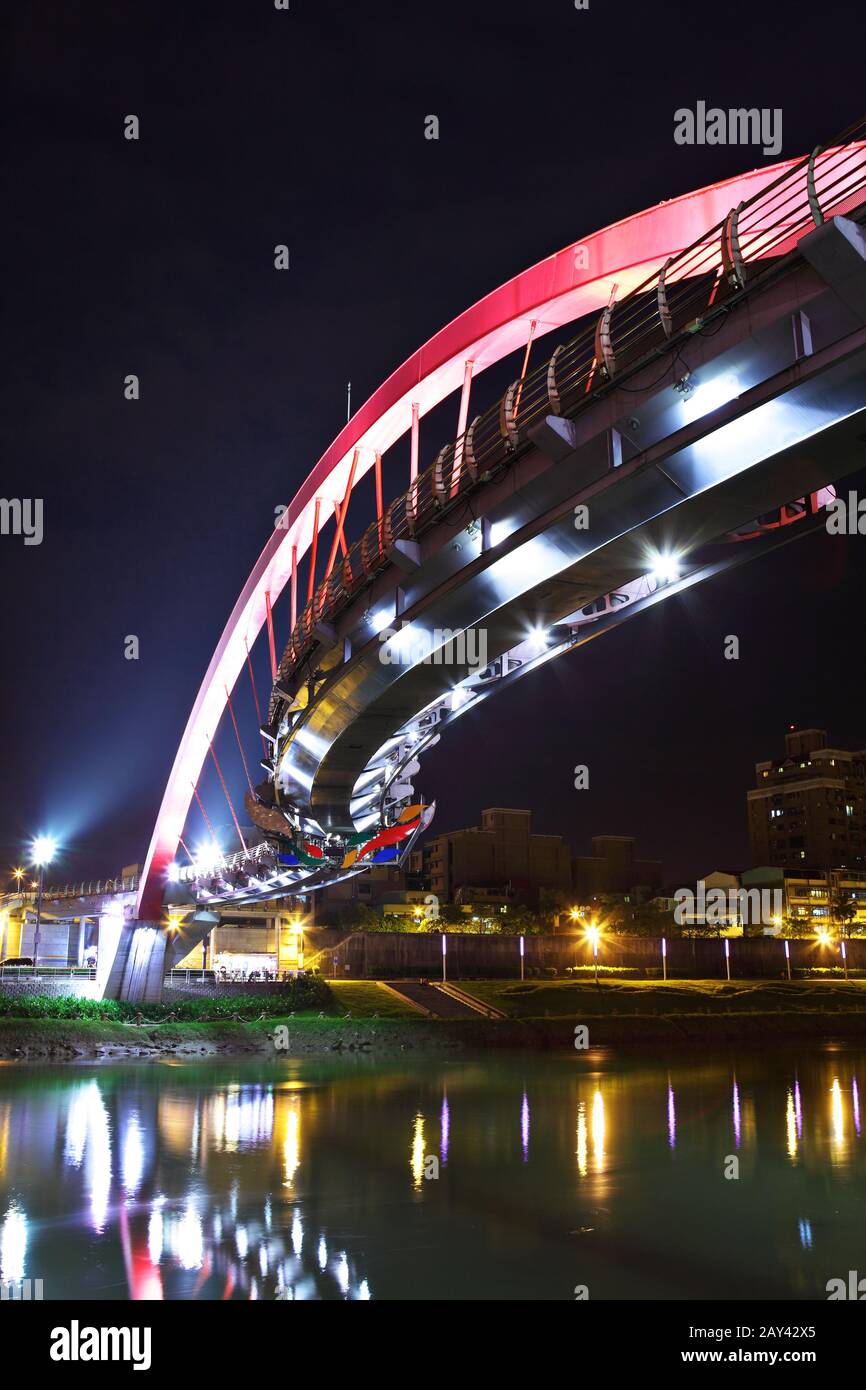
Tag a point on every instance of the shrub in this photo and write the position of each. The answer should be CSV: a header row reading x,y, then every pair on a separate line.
x,y
309,992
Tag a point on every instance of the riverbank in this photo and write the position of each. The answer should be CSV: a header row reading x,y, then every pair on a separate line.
x,y
368,1021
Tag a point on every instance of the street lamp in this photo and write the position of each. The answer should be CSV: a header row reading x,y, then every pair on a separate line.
x,y
593,936
42,853
18,874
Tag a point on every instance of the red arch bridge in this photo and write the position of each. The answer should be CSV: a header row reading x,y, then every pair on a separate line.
x,y
692,384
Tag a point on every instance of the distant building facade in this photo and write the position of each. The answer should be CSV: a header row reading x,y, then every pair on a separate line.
x,y
809,807
614,870
379,883
810,897
500,861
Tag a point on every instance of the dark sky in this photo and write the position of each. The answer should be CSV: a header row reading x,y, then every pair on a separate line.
x,y
261,127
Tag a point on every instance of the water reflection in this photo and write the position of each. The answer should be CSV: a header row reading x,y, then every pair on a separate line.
x,y
289,1180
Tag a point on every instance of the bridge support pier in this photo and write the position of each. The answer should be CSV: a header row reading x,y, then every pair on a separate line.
x,y
131,960
135,957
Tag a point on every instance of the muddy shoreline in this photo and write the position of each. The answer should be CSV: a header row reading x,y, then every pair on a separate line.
x,y
59,1040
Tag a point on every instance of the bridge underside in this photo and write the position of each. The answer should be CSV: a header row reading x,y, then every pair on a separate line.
x,y
671,461
770,410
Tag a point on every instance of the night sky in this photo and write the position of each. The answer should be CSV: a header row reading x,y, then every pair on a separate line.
x,y
155,257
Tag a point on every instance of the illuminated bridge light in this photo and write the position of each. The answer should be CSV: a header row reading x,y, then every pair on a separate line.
x,y
666,568
706,396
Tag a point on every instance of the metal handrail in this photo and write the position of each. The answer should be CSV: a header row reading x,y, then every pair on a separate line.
x,y
676,298
52,972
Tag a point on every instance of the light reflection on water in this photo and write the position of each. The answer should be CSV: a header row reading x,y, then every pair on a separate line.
x,y
321,1180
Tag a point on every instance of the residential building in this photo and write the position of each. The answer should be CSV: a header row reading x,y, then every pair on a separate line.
x,y
811,896
501,855
809,807
612,869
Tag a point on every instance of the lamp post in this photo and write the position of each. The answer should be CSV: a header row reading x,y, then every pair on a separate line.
x,y
728,957
788,958
593,935
664,959
43,853
521,957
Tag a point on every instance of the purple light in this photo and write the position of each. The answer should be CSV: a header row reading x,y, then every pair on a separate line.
x,y
664,947
672,1118
855,1097
736,1114
521,945
444,947
727,947
444,1131
524,1127
787,951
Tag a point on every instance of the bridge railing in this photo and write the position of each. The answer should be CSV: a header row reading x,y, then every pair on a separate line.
x,y
675,300
93,888
48,972
240,862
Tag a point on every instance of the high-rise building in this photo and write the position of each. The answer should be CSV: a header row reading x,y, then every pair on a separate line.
x,y
809,807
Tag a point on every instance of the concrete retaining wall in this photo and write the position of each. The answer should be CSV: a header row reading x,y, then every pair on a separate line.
x,y
401,955
56,987
209,989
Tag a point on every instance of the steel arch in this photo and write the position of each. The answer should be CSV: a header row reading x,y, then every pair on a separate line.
x,y
557,290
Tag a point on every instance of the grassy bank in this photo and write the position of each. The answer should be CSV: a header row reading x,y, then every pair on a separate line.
x,y
364,1017
672,999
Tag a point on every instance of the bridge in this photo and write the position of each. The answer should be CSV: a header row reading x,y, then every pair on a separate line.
x,y
702,393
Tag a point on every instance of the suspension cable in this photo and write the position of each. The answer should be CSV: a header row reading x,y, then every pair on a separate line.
x,y
255,696
227,797
204,813
238,737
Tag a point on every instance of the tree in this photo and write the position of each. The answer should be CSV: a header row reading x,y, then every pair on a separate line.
x,y
552,902
843,910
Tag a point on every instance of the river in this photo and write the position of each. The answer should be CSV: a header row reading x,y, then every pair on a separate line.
x,y
513,1176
